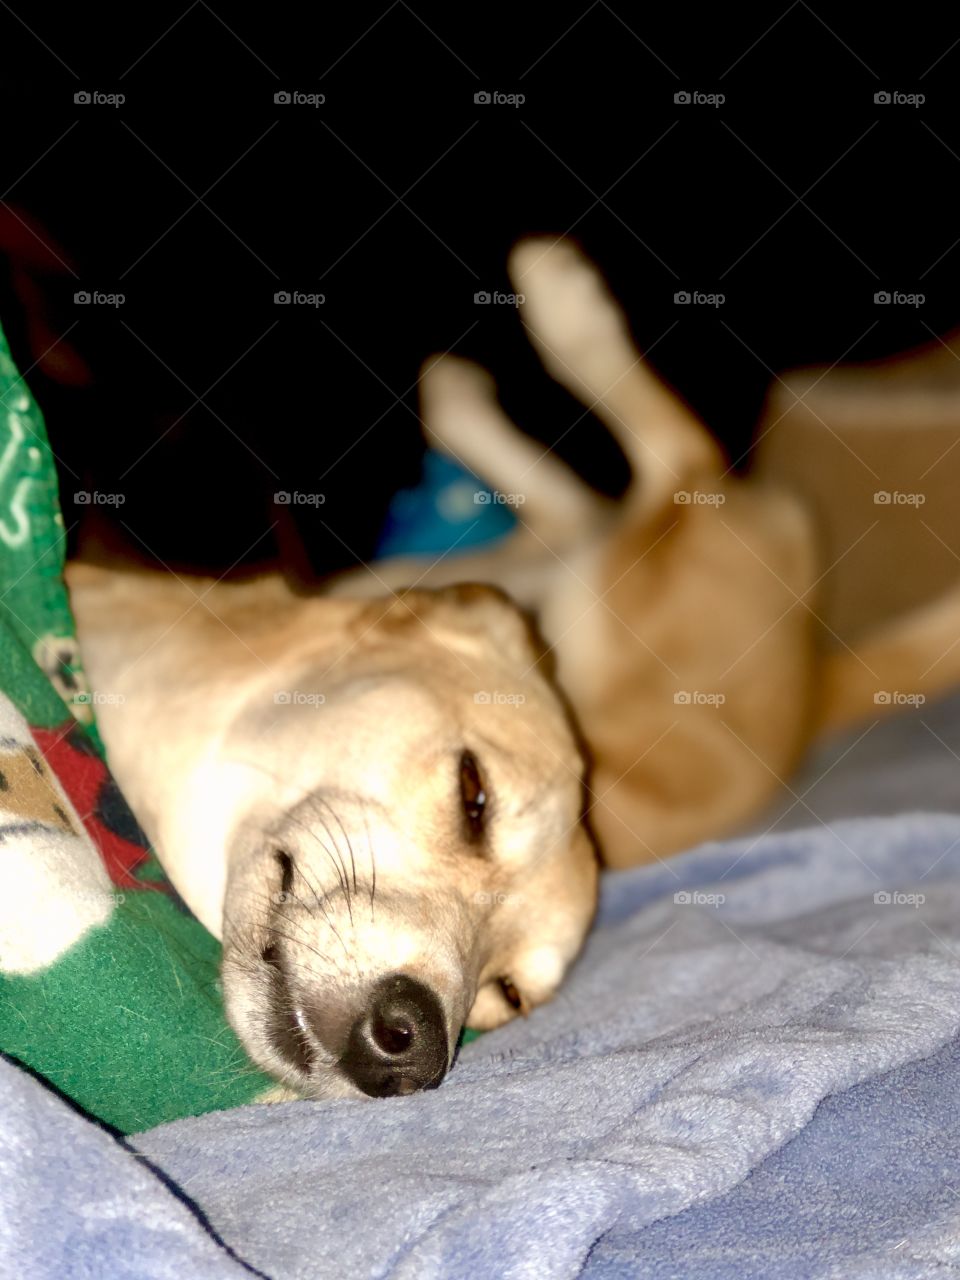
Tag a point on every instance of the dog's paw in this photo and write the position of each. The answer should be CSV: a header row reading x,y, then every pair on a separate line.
x,y
451,380
577,326
459,409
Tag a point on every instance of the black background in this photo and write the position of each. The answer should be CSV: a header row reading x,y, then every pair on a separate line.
x,y
200,197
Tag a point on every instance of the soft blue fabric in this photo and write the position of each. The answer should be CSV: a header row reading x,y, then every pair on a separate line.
x,y
692,1043
75,1202
754,1071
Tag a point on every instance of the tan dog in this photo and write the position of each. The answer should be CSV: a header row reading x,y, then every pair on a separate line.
x,y
682,618
377,802
385,856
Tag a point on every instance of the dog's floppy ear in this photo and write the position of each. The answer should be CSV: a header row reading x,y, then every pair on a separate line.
x,y
470,616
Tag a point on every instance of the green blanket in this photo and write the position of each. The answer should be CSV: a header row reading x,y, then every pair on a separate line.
x,y
109,988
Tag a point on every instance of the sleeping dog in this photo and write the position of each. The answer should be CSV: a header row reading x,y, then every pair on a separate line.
x,y
385,853
374,794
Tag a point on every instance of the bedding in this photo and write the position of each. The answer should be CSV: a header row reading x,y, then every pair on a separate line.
x,y
752,1070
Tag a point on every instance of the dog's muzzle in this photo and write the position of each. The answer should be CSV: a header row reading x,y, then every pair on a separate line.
x,y
399,1044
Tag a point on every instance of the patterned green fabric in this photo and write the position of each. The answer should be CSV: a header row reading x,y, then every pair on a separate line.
x,y
109,989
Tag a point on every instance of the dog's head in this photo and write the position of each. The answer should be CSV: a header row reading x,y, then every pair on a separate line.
x,y
434,871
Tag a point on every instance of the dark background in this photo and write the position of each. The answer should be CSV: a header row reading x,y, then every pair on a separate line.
x,y
398,199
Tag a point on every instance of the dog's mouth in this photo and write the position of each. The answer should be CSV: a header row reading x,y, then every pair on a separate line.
x,y
286,1023
393,1041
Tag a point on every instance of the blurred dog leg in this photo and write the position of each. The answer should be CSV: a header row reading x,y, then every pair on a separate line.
x,y
582,338
462,417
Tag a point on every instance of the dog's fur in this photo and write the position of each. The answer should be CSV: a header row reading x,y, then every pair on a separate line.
x,y
326,839
296,762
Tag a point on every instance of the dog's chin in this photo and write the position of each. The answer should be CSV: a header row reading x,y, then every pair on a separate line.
x,y
323,1085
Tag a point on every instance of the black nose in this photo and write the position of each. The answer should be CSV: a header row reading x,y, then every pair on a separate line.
x,y
400,1043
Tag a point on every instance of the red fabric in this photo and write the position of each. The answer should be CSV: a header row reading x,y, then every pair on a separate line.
x,y
87,781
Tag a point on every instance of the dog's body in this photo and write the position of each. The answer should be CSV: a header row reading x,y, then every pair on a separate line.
x,y
683,618
388,854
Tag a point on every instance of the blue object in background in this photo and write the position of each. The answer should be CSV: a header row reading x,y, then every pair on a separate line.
x,y
449,507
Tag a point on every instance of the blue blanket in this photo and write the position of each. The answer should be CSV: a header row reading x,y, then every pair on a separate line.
x,y
754,1070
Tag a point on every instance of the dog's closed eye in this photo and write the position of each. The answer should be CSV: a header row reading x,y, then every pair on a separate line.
x,y
473,796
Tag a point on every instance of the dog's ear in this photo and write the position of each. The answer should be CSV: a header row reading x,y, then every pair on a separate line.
x,y
471,616
480,608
